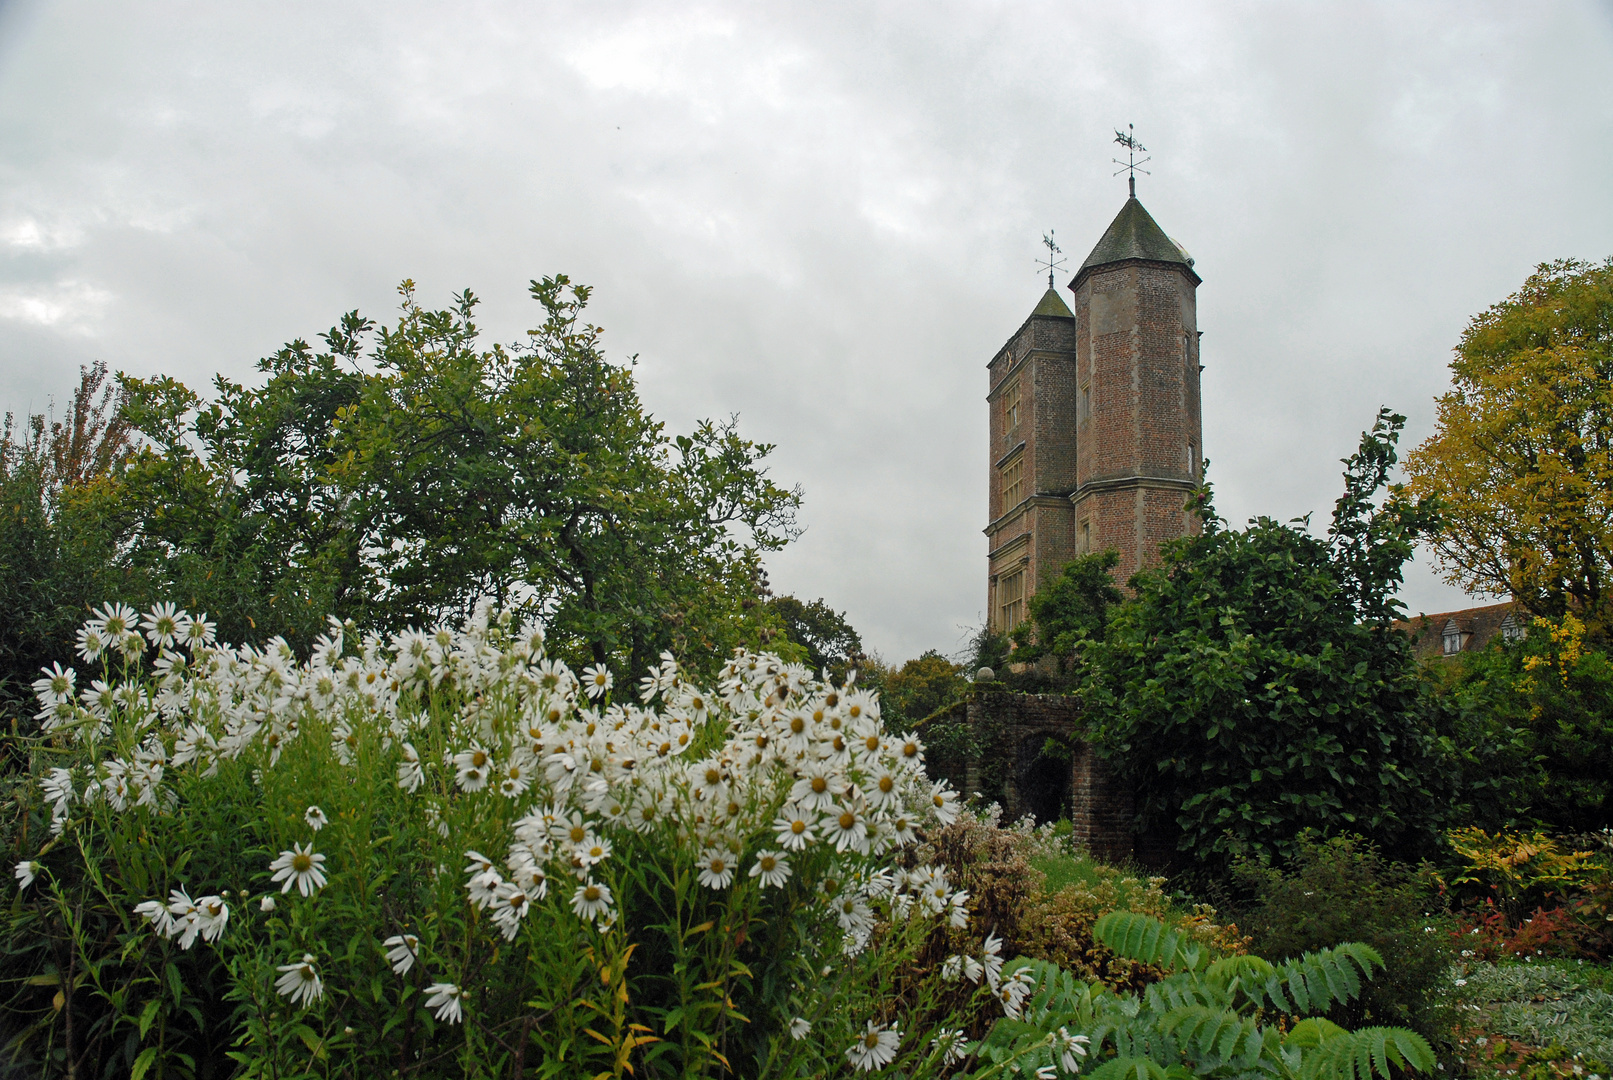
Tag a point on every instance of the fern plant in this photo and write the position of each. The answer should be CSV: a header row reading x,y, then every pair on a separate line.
x,y
1207,1018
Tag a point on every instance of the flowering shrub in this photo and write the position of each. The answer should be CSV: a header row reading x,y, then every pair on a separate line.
x,y
448,854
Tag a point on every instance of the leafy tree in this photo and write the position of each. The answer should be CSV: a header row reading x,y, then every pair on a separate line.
x,y
829,640
402,473
1071,608
918,688
58,551
1253,686
1522,460
1531,725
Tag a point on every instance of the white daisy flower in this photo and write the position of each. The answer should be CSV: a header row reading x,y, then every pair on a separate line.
x,y
591,900
952,1046
315,817
401,950
26,871
772,867
957,912
184,918
847,831
1013,991
596,681
716,869
299,867
799,1027
945,802
483,887
991,961
875,1048
300,981
199,632
212,914
410,772
1071,1047
472,768
793,828
162,624
266,904
91,643
57,686
444,999
156,912
510,905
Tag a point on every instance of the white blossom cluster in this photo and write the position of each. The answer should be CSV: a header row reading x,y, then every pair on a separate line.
x,y
794,768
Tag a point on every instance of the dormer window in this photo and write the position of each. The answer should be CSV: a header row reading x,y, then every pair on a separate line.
x,y
1511,628
1452,638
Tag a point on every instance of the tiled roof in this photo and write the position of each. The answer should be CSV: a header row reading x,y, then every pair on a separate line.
x,y
1471,628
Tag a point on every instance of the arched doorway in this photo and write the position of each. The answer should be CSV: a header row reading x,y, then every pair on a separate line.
x,y
1044,778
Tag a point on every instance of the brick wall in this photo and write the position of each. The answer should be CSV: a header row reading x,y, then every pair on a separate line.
x,y
1010,729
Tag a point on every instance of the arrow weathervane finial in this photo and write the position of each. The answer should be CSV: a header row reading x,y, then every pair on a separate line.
x,y
1052,262
1128,139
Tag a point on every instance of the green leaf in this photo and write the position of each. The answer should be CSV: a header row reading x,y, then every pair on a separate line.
x,y
143,1062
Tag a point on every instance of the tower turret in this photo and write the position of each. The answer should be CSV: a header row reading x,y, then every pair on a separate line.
x,y
1096,429
1139,420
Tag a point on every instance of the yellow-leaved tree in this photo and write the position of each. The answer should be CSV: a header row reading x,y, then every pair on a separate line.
x,y
1522,461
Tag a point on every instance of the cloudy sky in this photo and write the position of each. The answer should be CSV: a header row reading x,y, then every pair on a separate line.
x,y
820,216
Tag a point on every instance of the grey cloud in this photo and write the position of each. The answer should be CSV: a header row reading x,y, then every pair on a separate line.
x,y
822,217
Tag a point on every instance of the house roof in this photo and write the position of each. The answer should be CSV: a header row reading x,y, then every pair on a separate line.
x,y
1475,627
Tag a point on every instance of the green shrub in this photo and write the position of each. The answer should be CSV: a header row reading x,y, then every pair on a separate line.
x,y
1343,889
1207,1017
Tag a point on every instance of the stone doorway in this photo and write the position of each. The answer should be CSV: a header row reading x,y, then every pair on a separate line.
x,y
1044,778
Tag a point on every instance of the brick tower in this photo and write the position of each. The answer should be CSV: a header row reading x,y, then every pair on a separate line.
x,y
1096,425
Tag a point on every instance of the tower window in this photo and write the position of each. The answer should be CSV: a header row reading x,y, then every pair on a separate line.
x,y
1011,406
1010,600
1085,411
1086,537
1013,483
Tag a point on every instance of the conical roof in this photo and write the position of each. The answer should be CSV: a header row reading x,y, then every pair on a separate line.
x,y
1053,304
1134,234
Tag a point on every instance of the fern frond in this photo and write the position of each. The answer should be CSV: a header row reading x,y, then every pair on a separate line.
x,y
1361,1055
1141,938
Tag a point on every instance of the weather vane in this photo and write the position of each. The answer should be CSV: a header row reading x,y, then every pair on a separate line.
x,y
1128,139
1052,262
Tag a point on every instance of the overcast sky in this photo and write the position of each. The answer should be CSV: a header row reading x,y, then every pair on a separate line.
x,y
820,216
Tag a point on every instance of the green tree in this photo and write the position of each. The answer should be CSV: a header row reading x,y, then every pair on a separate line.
x,y
1071,608
918,688
1253,686
1522,459
403,473
58,547
1531,725
830,641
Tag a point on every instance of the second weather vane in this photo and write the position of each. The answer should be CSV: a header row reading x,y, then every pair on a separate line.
x,y
1128,139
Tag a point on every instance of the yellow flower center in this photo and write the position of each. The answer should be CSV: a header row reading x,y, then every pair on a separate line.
x,y
798,826
819,785
886,784
301,863
847,819
591,893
